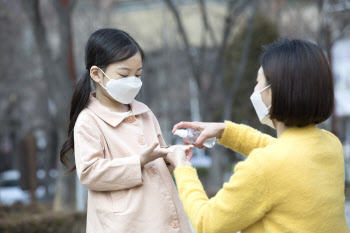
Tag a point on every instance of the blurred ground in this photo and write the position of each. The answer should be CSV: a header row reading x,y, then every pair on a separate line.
x,y
40,218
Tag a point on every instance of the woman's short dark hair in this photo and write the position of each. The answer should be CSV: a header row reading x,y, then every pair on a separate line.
x,y
301,82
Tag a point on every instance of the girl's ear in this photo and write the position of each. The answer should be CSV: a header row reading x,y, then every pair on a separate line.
x,y
96,74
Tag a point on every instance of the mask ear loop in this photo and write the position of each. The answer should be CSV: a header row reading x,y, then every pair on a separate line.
x,y
265,88
105,75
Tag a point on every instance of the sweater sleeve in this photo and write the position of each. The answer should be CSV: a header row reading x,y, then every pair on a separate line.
x,y
96,172
244,139
241,202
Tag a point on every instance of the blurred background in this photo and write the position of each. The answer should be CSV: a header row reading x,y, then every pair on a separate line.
x,y
202,57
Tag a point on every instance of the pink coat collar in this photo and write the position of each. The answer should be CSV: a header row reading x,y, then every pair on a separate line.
x,y
111,117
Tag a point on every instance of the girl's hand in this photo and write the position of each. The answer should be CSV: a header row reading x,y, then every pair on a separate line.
x,y
208,130
185,148
178,158
152,153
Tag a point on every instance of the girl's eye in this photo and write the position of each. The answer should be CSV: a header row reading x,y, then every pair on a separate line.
x,y
125,76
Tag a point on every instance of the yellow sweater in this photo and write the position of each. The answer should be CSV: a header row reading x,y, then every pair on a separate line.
x,y
291,184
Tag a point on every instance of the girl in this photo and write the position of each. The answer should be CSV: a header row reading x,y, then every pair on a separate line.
x,y
116,144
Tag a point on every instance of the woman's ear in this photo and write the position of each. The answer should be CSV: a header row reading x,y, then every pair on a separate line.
x,y
96,74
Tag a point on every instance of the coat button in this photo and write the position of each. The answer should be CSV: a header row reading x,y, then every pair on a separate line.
x,y
141,141
153,170
174,224
130,119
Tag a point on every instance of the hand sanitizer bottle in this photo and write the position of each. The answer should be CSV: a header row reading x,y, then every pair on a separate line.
x,y
191,135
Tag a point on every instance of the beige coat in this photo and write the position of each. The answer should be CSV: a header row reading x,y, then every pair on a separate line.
x,y
123,197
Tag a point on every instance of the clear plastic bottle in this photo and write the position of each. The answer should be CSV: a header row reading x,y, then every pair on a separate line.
x,y
191,135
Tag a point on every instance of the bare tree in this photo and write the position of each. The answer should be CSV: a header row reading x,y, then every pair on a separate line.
x,y
235,10
333,25
60,77
204,84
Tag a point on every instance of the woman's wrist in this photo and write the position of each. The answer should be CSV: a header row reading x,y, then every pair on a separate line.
x,y
221,127
183,163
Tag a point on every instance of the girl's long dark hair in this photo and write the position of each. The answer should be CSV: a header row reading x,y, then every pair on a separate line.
x,y
104,47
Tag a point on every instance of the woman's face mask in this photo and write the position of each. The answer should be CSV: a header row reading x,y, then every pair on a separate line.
x,y
123,90
261,110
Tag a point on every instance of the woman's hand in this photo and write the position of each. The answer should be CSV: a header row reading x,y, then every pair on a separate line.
x,y
208,130
178,157
152,153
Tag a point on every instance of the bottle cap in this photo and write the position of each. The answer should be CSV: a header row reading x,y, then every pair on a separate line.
x,y
181,133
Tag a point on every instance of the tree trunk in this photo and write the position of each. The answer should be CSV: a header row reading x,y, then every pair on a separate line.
x,y
59,76
65,197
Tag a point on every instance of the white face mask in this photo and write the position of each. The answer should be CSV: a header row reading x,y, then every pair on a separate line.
x,y
261,110
123,90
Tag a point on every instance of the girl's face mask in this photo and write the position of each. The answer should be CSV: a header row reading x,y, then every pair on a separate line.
x,y
123,90
261,110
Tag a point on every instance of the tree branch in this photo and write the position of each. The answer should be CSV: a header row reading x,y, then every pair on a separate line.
x,y
233,10
64,9
32,8
206,24
230,92
190,57
246,49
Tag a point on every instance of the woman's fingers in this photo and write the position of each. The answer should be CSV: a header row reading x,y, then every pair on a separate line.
x,y
205,128
187,143
189,155
185,124
195,145
189,147
201,139
201,146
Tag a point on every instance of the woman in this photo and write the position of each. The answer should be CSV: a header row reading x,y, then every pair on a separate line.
x,y
292,183
115,141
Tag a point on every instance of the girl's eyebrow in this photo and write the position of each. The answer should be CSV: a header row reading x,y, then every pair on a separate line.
x,y
125,68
